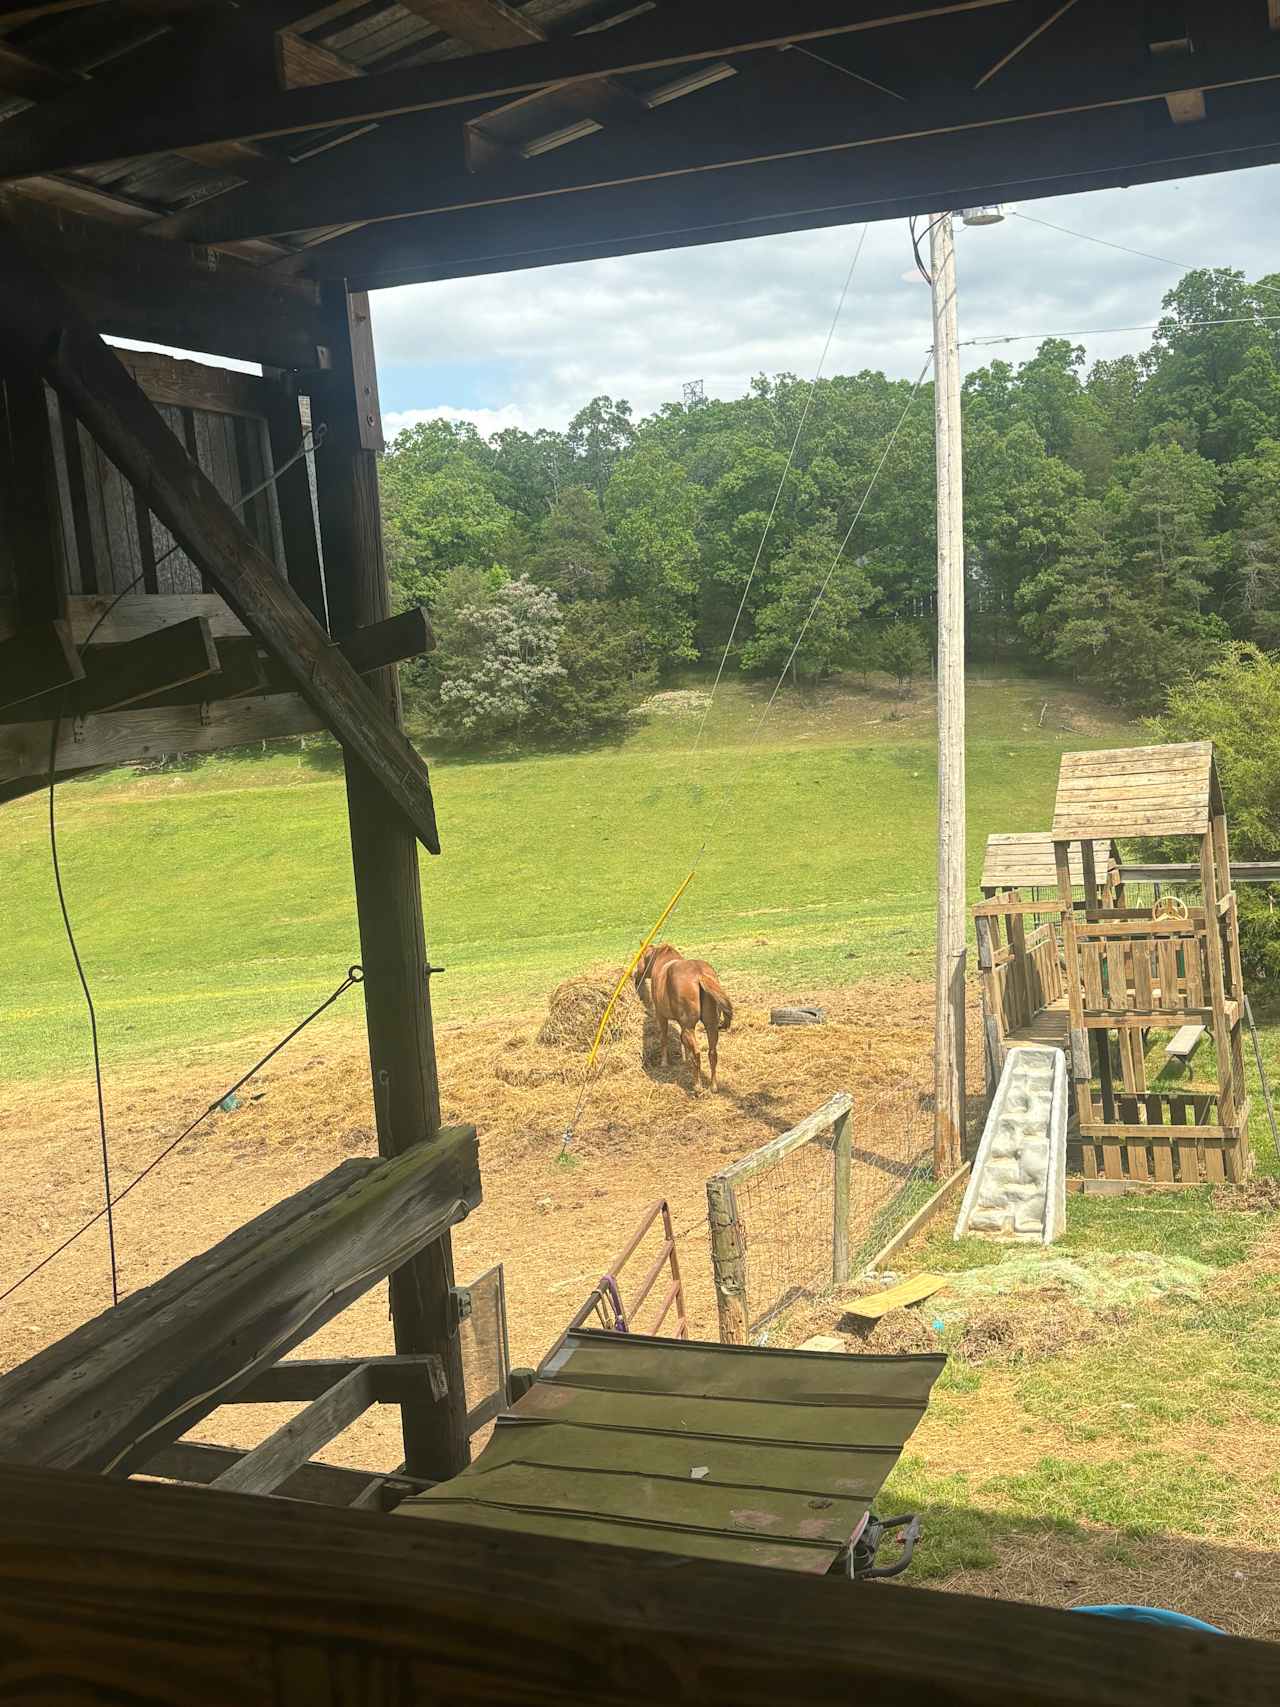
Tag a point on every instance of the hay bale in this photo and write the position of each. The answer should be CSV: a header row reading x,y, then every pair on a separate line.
x,y
577,1007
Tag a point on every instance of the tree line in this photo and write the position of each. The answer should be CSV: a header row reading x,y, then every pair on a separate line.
x,y
1122,526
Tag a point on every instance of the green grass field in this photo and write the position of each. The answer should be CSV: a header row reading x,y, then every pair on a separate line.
x,y
213,900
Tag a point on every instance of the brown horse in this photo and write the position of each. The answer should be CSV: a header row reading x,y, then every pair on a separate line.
x,y
682,993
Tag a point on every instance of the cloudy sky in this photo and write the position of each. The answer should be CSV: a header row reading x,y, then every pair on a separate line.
x,y
530,348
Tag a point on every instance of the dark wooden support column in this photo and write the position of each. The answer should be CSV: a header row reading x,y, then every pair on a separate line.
x,y
384,859
28,511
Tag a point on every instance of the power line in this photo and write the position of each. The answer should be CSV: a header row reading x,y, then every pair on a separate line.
x,y
355,975
1127,249
782,480
1103,331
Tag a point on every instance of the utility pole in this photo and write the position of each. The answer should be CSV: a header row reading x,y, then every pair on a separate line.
x,y
949,1087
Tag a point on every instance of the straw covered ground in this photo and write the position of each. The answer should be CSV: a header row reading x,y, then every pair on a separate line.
x,y
554,1217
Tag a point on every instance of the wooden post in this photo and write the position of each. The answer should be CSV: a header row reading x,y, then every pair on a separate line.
x,y
384,860
842,1154
728,1262
949,1050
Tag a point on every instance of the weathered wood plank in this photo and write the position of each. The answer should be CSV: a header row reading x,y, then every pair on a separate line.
x,y
298,1380
117,676
108,1394
1119,1129
127,737
201,1462
276,1458
196,385
309,1598
37,316
811,1127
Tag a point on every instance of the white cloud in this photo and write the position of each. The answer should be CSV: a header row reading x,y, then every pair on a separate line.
x,y
531,347
485,421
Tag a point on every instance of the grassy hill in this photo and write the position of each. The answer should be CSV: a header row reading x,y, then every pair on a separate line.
x,y
213,899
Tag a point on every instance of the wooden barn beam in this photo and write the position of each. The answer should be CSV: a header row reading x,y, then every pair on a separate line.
x,y
299,1380
116,676
485,25
36,660
115,1591
168,292
379,178
38,321
1056,157
83,129
138,1376
388,882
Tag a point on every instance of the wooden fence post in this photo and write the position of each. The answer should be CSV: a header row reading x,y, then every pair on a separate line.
x,y
728,1261
842,1156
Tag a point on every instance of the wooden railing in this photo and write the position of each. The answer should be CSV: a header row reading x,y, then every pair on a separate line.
x,y
1140,966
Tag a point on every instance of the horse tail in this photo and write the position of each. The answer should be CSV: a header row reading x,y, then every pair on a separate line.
x,y
715,992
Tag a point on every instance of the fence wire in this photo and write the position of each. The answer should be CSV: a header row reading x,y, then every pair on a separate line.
x,y
786,1211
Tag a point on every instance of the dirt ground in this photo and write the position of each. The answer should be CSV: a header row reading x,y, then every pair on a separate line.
x,y
642,1134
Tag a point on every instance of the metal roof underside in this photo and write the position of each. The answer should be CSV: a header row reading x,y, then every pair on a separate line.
x,y
437,138
743,1453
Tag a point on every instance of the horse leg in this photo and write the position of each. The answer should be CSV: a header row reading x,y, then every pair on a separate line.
x,y
690,1043
713,1037
662,1041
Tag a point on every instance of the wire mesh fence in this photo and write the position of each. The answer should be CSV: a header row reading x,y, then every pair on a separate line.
x,y
786,1213
795,1218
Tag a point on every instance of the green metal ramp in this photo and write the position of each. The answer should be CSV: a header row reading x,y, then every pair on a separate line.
x,y
762,1456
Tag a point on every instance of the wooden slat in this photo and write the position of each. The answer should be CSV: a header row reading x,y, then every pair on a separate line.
x,y
1026,861
202,1462
271,1463
1103,1129
196,385
107,1395
1091,962
35,313
1117,980
1141,959
298,1380
1171,995
872,1306
128,737
117,676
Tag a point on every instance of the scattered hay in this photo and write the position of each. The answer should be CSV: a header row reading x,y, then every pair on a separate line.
x,y
993,1331
578,1005
1093,1280
1260,1194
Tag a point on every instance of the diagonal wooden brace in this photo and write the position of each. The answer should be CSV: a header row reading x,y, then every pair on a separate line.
x,y
42,327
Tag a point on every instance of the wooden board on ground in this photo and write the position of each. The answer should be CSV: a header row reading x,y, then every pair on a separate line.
x,y
913,1291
